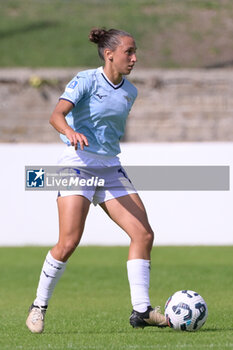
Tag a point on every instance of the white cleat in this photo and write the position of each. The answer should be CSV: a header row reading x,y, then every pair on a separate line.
x,y
35,320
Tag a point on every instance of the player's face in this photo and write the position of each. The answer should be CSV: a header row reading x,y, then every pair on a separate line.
x,y
124,57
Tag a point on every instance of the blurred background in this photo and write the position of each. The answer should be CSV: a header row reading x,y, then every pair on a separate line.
x,y
184,75
183,114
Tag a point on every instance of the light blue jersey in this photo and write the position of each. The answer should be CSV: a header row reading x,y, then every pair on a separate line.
x,y
100,110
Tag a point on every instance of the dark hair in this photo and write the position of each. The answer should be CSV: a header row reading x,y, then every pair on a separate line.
x,y
106,39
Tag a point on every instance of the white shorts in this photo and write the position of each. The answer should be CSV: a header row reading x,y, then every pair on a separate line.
x,y
107,177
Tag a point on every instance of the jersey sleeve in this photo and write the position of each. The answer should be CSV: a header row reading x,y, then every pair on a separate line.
x,y
134,94
75,89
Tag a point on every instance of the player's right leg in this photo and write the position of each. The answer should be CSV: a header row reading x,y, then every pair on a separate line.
x,y
72,211
129,213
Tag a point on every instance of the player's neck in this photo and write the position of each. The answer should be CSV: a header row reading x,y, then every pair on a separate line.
x,y
112,75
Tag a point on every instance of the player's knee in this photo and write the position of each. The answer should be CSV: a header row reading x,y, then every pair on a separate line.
x,y
70,246
145,237
67,248
149,238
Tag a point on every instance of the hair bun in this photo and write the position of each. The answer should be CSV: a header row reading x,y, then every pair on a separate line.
x,y
97,34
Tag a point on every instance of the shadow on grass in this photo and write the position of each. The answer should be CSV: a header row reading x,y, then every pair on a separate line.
x,y
101,332
217,329
28,28
137,331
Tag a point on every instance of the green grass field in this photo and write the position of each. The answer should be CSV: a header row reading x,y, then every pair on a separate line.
x,y
171,33
91,305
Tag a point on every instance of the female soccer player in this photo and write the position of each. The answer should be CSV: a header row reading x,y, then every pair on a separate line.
x,y
91,116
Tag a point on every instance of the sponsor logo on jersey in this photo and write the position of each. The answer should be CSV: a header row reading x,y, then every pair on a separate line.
x,y
100,96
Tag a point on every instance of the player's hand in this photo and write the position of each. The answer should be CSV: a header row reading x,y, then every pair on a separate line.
x,y
76,138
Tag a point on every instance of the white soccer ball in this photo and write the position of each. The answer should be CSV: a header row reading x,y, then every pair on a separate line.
x,y
186,310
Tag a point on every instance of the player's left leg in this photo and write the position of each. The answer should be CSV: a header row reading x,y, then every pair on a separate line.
x,y
130,214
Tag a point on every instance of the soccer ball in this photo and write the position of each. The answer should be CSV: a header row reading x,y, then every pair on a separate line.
x,y
186,310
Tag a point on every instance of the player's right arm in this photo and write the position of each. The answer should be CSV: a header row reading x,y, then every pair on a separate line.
x,y
58,121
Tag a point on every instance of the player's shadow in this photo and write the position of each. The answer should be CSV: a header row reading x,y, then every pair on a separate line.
x,y
90,331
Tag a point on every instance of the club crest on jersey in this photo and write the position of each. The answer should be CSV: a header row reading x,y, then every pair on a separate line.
x,y
129,99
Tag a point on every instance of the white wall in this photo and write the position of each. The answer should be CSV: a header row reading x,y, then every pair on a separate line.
x,y
178,218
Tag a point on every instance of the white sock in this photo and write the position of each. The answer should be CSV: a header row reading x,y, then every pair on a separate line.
x,y
51,272
139,281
